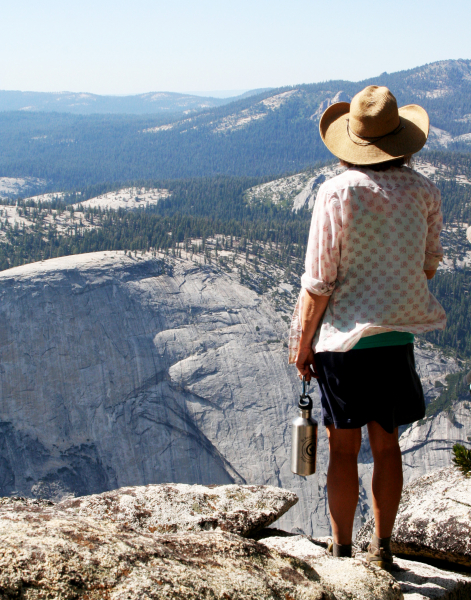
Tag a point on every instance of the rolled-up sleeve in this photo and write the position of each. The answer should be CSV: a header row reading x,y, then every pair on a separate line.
x,y
433,247
323,249
322,259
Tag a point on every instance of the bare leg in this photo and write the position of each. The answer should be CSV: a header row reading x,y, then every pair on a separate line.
x,y
342,481
387,477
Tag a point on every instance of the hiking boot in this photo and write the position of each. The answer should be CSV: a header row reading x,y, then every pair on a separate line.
x,y
339,550
379,556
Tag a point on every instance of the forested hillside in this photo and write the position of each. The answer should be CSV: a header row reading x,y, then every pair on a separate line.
x,y
217,220
270,133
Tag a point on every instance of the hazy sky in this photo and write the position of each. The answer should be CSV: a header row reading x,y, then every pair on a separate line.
x,y
134,46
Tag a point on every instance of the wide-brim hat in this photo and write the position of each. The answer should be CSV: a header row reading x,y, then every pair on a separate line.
x,y
372,129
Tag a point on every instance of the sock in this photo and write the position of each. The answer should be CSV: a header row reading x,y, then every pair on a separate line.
x,y
384,543
342,550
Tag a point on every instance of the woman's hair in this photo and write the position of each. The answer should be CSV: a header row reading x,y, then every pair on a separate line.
x,y
384,166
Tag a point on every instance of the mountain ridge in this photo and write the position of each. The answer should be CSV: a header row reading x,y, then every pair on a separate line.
x,y
270,133
88,103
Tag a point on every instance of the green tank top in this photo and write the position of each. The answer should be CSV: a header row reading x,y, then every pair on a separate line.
x,y
390,338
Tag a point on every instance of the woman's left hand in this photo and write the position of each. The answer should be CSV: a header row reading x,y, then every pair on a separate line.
x,y
306,364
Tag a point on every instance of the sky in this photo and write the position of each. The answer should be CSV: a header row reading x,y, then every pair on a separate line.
x,y
131,47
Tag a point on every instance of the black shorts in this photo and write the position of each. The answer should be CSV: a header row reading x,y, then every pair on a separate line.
x,y
370,384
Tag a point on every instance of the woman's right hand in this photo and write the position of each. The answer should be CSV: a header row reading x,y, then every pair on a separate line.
x,y
306,364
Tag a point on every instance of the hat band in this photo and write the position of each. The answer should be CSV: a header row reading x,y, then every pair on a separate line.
x,y
370,140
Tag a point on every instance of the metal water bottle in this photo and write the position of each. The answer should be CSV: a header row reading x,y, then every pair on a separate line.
x,y
304,437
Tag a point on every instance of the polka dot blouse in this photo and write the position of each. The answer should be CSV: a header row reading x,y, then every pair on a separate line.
x,y
372,235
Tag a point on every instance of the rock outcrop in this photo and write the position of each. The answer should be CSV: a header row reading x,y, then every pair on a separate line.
x,y
120,371
427,445
296,545
417,580
151,543
434,519
338,97
47,551
420,581
178,508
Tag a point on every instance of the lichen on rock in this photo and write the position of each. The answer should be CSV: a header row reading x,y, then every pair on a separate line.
x,y
67,552
434,519
49,552
346,579
177,507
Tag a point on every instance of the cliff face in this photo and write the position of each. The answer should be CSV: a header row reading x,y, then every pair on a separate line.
x,y
119,371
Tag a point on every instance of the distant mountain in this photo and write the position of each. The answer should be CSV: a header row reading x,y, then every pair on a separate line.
x,y
250,93
270,133
229,93
85,104
442,88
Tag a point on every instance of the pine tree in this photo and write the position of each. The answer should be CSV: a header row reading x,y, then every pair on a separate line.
x,y
462,459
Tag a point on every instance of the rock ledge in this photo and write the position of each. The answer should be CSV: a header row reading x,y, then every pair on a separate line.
x,y
179,508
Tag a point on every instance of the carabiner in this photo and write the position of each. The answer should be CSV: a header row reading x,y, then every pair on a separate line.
x,y
304,386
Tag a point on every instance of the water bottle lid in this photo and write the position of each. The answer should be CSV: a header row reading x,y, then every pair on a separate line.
x,y
305,403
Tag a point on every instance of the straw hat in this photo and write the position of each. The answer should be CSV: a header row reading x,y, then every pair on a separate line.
x,y
372,129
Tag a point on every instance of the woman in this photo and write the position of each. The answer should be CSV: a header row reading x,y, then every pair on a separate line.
x,y
373,243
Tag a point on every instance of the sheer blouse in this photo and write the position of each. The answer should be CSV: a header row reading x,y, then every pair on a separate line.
x,y
372,235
